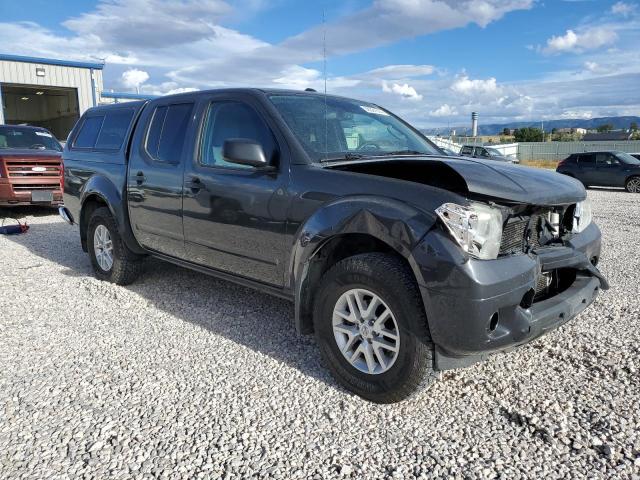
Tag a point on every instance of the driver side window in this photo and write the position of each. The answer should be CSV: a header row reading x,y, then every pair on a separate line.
x,y
227,120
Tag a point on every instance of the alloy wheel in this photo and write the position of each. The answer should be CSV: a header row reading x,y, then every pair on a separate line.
x,y
366,331
103,247
633,185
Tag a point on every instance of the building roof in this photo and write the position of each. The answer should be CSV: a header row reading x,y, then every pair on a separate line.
x,y
51,61
596,137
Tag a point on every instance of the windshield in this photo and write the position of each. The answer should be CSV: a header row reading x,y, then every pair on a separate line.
x,y
626,158
17,137
331,128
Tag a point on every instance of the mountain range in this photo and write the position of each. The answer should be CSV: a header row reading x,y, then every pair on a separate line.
x,y
495,129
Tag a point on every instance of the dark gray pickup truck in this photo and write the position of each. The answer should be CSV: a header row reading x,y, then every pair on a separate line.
x,y
401,260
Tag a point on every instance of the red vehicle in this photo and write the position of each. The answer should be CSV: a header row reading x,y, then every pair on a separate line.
x,y
30,166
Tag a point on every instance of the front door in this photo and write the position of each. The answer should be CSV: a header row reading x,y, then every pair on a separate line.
x,y
155,180
610,170
234,215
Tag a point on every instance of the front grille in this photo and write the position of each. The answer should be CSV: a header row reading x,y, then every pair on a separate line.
x,y
513,235
35,186
25,169
542,284
522,231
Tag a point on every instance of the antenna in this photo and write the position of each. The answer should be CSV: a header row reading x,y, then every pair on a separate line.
x,y
324,67
324,50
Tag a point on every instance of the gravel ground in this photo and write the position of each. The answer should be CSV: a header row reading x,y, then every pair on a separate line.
x,y
184,376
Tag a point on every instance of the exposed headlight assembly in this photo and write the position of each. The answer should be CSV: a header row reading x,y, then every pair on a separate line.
x,y
476,228
581,216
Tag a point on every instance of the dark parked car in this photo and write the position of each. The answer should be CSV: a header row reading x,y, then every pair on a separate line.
x,y
488,153
603,169
401,260
30,167
449,152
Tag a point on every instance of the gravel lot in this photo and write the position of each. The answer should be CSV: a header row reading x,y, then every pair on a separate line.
x,y
184,376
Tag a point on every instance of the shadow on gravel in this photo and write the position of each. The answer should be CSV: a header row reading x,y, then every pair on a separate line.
x,y
21,212
255,320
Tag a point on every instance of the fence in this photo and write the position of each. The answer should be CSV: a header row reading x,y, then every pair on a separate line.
x,y
554,151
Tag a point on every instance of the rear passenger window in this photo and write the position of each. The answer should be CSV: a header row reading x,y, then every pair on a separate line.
x,y
88,134
114,129
167,130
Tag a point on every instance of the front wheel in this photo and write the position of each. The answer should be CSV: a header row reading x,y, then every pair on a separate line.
x,y
111,259
371,328
633,185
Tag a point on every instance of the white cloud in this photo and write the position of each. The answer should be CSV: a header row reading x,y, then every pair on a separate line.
x,y
405,90
394,20
623,8
588,39
131,24
592,66
403,71
444,111
466,86
133,78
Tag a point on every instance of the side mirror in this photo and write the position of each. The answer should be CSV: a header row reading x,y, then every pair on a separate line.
x,y
244,152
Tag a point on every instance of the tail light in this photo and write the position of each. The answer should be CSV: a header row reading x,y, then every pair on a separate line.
x,y
61,176
562,162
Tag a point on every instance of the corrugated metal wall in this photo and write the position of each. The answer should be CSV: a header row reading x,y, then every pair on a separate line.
x,y
560,150
24,73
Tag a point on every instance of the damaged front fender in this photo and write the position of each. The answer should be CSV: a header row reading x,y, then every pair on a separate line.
x,y
398,225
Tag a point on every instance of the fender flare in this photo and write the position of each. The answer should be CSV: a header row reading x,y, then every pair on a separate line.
x,y
101,187
395,223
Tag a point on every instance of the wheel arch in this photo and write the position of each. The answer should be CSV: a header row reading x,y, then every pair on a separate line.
x,y
348,227
99,191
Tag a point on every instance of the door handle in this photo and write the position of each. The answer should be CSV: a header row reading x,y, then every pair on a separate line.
x,y
195,184
140,178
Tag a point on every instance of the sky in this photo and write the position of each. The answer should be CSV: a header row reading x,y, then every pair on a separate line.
x,y
432,62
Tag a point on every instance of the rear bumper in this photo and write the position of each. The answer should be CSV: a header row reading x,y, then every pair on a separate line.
x,y
11,197
477,307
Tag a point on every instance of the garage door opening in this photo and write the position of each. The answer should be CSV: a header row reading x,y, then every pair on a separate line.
x,y
55,109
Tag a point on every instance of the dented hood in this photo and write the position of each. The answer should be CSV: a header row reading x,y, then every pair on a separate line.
x,y
487,178
517,183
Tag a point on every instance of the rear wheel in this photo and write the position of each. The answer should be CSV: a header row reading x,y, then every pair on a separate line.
x,y
371,328
111,259
633,185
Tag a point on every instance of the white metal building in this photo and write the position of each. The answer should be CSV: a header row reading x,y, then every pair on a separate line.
x,y
46,92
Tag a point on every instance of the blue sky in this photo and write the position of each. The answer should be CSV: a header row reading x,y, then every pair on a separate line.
x,y
431,61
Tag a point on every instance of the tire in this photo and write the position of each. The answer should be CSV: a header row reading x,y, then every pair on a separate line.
x,y
409,368
125,266
632,185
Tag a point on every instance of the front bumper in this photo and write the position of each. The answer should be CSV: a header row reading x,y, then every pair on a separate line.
x,y
476,307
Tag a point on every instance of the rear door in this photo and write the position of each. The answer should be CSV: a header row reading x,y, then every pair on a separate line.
x,y
155,177
586,171
235,215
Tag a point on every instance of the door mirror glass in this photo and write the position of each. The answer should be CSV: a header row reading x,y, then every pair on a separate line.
x,y
243,151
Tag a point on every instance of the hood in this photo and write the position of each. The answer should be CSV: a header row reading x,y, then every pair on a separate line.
x,y
497,180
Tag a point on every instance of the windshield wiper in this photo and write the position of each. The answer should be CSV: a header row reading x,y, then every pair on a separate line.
x,y
401,152
346,156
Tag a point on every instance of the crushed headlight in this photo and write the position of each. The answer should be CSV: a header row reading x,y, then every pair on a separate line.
x,y
476,228
581,216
